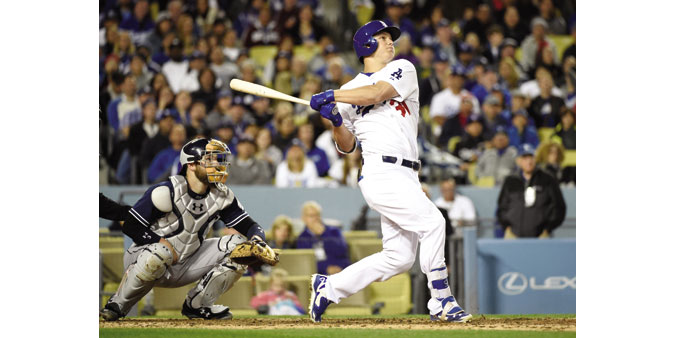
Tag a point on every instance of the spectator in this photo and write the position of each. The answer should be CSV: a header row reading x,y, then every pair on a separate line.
x,y
530,202
196,125
229,45
263,31
163,55
190,80
247,73
307,32
288,17
239,119
246,168
176,68
491,117
282,73
126,104
480,23
326,142
346,170
299,74
492,49
166,99
485,84
188,32
434,83
546,107
405,50
509,74
330,246
140,132
447,103
396,16
471,143
296,170
531,89
428,31
533,44
521,131
424,68
556,23
566,131
154,41
152,146
460,209
286,131
335,77
497,161
260,111
444,42
205,13
548,61
174,10
138,23
224,133
223,69
306,135
166,162
266,150
569,67
549,157
454,125
207,91
220,110
281,236
124,49
467,60
278,300
512,26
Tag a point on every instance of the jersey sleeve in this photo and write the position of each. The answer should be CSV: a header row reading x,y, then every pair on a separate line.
x,y
401,74
144,210
233,214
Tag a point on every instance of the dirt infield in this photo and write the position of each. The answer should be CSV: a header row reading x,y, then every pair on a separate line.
x,y
478,323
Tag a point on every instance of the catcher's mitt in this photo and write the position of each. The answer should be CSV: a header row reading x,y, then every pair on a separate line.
x,y
254,252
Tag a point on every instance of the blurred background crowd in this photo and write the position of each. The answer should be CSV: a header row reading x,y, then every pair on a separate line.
x,y
495,77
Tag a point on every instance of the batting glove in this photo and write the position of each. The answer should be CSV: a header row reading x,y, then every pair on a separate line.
x,y
320,99
331,113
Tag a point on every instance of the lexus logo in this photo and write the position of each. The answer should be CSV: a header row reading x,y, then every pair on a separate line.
x,y
512,283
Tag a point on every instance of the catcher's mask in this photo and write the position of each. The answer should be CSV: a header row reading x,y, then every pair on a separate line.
x,y
213,155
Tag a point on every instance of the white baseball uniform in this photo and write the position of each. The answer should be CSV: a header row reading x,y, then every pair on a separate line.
x,y
389,129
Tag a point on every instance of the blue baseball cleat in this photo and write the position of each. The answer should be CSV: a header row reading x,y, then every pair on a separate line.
x,y
318,302
455,314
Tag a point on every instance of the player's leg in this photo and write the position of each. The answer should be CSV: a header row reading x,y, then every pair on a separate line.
x,y
216,274
397,256
145,265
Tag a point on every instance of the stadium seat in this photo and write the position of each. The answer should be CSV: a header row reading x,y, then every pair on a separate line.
x,y
169,301
471,174
485,182
298,262
112,264
356,304
358,234
300,285
395,293
111,242
545,133
262,54
364,14
305,52
561,43
570,158
361,248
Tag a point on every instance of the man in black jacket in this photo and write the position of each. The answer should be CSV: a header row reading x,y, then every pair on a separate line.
x,y
530,203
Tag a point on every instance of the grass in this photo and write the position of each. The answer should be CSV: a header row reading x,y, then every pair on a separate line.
x,y
360,333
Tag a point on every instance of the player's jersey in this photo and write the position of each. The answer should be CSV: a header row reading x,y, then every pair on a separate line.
x,y
187,224
389,127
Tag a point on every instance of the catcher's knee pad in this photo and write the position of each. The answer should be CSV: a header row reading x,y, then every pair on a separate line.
x,y
215,283
152,262
228,243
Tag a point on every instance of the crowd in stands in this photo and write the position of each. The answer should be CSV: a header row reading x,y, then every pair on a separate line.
x,y
492,78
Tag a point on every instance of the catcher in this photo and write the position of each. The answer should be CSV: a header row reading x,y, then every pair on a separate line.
x,y
169,225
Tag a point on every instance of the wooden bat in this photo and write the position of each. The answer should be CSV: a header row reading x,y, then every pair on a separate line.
x,y
259,90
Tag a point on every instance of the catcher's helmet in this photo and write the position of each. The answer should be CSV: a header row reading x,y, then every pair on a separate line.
x,y
363,41
211,154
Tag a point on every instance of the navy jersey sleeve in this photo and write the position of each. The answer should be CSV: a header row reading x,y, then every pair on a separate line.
x,y
235,216
142,215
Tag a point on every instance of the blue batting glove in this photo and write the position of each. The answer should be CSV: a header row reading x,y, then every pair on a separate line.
x,y
329,112
322,98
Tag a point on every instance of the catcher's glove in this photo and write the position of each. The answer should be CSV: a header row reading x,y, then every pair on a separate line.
x,y
254,252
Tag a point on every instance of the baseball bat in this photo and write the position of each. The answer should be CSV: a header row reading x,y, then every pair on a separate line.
x,y
259,90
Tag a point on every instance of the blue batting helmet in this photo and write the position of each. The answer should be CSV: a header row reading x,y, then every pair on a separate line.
x,y
363,41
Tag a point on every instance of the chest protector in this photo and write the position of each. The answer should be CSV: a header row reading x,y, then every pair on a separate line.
x,y
187,225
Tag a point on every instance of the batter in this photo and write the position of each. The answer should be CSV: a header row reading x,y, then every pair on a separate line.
x,y
379,109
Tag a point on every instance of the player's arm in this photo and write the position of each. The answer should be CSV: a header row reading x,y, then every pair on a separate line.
x,y
366,95
234,216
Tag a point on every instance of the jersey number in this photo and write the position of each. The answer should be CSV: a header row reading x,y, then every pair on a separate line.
x,y
400,106
362,110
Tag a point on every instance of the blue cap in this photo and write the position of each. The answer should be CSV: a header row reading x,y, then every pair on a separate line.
x,y
474,118
526,149
500,129
330,48
167,113
521,112
197,55
458,70
443,23
223,93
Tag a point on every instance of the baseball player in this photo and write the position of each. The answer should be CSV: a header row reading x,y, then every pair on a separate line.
x,y
379,109
169,225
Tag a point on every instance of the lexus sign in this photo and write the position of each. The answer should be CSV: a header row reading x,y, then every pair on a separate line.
x,y
514,283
